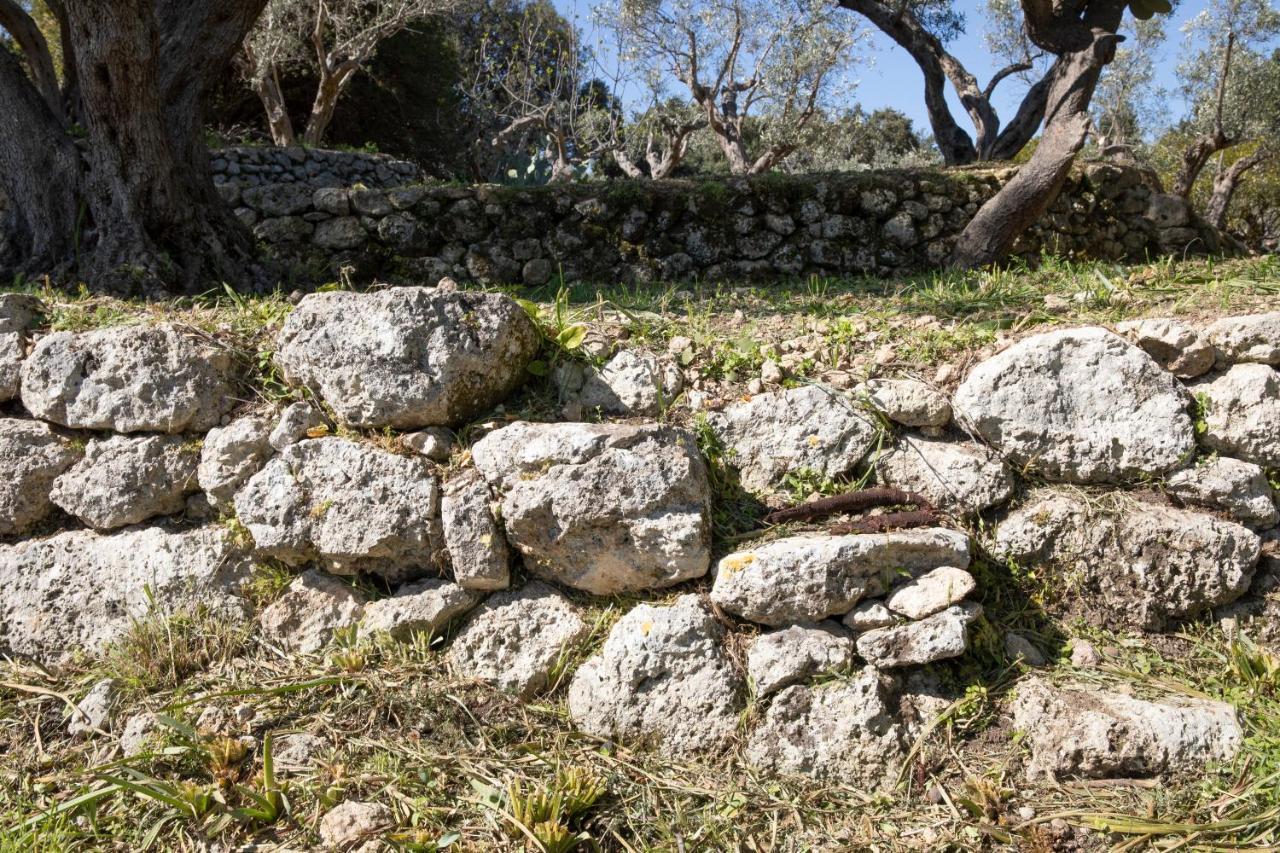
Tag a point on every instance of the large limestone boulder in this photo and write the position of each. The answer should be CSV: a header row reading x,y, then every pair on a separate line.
x,y
599,507
515,639
1175,346
347,505
128,379
408,357
1081,731
1236,487
1078,406
662,678
1131,563
787,656
843,731
809,428
80,590
809,578
306,616
960,477
1241,411
125,479
1252,338
32,456
231,455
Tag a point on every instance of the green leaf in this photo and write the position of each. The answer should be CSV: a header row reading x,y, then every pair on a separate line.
x,y
571,337
538,367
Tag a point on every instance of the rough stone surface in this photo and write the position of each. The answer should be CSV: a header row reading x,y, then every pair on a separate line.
x,y
32,456
841,731
633,382
869,615
1239,488
348,823
19,312
1137,564
909,402
12,350
80,590
141,733
434,443
94,712
1242,413
477,546
408,357
1173,344
938,637
297,752
662,677
778,659
231,455
128,379
807,428
349,505
931,592
296,421
808,578
515,639
127,479
1081,731
603,508
422,607
1253,338
311,609
960,477
1079,406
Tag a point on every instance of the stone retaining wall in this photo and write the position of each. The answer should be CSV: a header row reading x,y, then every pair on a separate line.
x,y
251,166
768,227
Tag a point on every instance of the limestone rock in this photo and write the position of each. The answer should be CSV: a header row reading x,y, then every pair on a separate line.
x,y
599,507
931,592
516,638
311,609
348,823
81,590
909,402
1242,413
32,456
477,547
128,379
127,479
778,659
19,312
1078,406
961,477
633,382
422,607
807,428
297,752
841,731
93,713
808,578
1081,731
13,349
1252,338
141,733
938,637
296,421
349,505
1138,564
1240,488
408,357
231,455
870,615
1174,345
434,443
662,677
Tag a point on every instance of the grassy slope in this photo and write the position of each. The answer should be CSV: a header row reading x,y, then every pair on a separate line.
x,y
460,763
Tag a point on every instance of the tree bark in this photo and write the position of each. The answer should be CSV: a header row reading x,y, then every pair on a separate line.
x,y
1226,184
1002,220
31,41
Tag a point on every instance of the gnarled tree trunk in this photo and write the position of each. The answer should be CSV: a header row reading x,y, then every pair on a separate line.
x,y
1226,184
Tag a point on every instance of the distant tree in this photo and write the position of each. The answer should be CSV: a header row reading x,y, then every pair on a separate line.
x,y
1129,100
856,139
656,143
742,58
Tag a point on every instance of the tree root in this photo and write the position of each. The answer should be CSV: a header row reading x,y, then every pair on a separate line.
x,y
881,523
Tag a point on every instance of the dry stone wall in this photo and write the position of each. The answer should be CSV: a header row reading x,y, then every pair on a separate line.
x,y
768,227
1124,465
251,166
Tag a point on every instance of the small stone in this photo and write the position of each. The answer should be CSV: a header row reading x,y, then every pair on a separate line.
x,y
19,312
1242,413
231,455
1239,488
32,456
141,733
296,422
423,607
1084,655
12,350
1253,338
351,822
909,402
125,479
778,659
297,752
306,616
1174,345
938,637
631,383
1019,648
477,547
771,372
93,713
679,344
931,592
516,638
961,477
436,443
869,615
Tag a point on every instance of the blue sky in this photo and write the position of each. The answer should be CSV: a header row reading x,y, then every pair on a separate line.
x,y
893,80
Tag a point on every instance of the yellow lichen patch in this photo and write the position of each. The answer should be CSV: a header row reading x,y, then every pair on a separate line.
x,y
737,562
646,627
813,440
